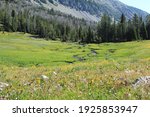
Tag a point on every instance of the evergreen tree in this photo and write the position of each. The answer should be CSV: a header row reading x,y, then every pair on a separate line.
x,y
80,35
143,32
130,31
136,26
13,15
148,25
122,27
21,22
89,35
6,22
113,32
98,33
104,28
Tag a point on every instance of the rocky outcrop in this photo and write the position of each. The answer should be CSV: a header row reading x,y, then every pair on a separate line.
x,y
141,81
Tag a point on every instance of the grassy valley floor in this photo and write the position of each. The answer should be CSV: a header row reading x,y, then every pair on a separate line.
x,y
92,71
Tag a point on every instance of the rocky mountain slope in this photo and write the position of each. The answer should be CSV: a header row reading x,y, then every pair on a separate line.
x,y
90,10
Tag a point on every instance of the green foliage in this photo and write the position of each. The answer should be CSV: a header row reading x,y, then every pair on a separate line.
x,y
104,30
18,49
130,30
24,58
122,26
148,25
24,21
107,29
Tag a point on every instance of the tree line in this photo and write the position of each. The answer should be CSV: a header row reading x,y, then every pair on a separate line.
x,y
106,30
123,30
23,21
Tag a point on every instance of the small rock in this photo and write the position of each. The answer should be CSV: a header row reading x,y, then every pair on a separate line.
x,y
79,58
141,81
59,87
3,85
129,71
54,73
94,52
44,77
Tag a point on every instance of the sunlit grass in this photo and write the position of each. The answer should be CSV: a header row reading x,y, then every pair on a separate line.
x,y
109,74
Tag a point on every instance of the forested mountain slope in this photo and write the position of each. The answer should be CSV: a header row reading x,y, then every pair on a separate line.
x,y
39,17
90,10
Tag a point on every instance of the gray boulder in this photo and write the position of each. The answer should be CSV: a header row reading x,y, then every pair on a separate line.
x,y
141,81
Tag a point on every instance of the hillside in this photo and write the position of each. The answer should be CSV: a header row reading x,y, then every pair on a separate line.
x,y
35,18
90,10
32,68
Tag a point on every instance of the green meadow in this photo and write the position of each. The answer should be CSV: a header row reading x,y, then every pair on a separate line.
x,y
75,71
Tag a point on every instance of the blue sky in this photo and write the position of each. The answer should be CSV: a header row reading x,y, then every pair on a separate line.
x,y
141,4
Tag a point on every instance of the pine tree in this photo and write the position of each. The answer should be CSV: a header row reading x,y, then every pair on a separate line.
x,y
148,25
130,31
13,15
122,27
6,22
113,32
143,32
21,22
80,35
104,28
89,35
1,21
136,26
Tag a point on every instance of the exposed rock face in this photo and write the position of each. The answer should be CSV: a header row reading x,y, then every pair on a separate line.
x,y
113,8
141,81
